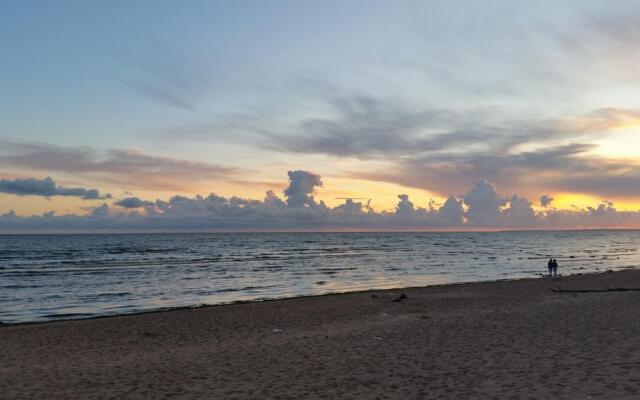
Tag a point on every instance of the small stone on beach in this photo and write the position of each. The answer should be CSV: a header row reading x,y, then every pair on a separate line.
x,y
399,298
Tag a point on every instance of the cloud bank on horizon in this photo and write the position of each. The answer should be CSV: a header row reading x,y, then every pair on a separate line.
x,y
480,208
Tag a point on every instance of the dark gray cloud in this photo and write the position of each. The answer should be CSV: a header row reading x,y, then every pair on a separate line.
x,y
128,169
545,200
365,127
566,168
598,180
481,207
446,151
133,202
47,188
453,173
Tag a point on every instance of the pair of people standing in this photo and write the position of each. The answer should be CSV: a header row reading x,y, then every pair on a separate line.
x,y
553,267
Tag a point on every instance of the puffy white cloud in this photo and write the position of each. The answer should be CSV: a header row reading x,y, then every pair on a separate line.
x,y
484,205
301,186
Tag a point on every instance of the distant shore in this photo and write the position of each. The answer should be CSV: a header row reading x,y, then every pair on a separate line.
x,y
528,338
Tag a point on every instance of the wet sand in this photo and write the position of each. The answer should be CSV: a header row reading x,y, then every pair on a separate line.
x,y
499,340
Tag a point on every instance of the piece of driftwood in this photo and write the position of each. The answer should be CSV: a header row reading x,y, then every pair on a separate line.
x,y
595,290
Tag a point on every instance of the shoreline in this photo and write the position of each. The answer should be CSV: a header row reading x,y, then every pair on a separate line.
x,y
501,339
266,300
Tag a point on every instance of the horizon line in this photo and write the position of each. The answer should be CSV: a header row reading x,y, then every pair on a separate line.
x,y
32,232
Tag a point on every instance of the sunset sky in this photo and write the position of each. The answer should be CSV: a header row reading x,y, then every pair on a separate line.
x,y
108,110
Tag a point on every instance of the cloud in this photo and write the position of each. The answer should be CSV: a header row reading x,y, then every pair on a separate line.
x,y
445,151
130,169
484,205
481,207
567,168
519,212
451,213
171,78
133,202
47,187
101,211
606,180
301,187
606,40
545,200
364,127
405,206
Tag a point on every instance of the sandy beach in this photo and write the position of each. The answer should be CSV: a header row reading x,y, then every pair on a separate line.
x,y
499,340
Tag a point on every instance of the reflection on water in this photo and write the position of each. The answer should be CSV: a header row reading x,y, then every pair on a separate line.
x,y
47,276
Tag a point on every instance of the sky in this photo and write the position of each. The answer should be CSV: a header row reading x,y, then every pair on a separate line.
x,y
346,115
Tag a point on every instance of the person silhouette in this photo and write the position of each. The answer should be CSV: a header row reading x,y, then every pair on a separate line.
x,y
554,266
550,266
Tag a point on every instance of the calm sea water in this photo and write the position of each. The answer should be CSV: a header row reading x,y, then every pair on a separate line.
x,y
47,277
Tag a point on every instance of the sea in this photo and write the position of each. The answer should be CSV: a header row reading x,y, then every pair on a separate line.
x,y
51,277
